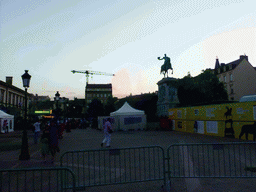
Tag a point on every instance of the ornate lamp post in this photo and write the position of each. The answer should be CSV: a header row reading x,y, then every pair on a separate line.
x,y
24,155
57,98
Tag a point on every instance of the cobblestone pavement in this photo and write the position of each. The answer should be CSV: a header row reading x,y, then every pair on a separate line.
x,y
82,139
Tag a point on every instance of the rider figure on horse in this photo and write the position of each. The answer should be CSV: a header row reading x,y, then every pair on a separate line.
x,y
166,66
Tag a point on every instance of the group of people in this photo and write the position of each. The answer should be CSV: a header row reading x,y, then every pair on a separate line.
x,y
52,132
49,138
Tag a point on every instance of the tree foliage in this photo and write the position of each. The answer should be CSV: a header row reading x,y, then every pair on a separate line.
x,y
110,105
95,108
202,89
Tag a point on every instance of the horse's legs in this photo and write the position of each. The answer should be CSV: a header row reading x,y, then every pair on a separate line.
x,y
241,134
246,135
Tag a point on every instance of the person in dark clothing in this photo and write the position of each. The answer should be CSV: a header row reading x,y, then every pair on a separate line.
x,y
54,147
45,141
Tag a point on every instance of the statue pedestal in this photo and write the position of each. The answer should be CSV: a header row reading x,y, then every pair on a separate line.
x,y
167,96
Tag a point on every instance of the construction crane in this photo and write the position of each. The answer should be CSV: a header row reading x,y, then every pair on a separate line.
x,y
87,73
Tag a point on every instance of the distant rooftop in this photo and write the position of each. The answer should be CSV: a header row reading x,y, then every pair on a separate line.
x,y
99,85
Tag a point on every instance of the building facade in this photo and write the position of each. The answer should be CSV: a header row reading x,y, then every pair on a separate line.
x,y
239,77
11,97
99,91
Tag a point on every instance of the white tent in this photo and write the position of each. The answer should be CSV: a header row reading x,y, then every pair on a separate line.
x,y
6,122
129,118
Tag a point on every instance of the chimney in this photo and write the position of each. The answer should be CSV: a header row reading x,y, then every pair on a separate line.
x,y
244,57
9,80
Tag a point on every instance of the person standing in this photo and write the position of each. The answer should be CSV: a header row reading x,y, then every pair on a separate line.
x,y
107,133
37,131
45,140
54,145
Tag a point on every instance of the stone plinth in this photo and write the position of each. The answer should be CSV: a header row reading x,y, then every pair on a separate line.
x,y
167,95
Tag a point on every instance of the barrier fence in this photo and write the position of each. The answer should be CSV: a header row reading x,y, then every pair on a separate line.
x,y
37,179
115,166
81,169
212,160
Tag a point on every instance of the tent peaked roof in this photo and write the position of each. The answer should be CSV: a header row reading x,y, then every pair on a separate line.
x,y
126,109
5,115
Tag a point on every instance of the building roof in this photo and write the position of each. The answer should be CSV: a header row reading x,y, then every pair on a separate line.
x,y
11,86
234,64
99,86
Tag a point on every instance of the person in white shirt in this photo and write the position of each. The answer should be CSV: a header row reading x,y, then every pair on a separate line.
x,y
37,131
107,133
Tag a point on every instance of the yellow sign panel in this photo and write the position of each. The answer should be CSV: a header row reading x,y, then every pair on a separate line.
x,y
225,120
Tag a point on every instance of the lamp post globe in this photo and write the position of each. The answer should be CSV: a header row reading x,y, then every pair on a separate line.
x,y
57,96
26,79
24,155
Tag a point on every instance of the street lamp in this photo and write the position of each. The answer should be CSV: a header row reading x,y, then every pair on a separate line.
x,y
57,98
24,155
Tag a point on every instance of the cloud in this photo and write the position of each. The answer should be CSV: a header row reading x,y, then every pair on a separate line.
x,y
121,83
228,46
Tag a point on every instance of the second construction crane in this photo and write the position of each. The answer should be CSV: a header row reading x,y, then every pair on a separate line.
x,y
87,73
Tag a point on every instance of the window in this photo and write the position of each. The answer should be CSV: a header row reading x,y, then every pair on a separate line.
x,y
231,77
224,78
231,89
1,96
13,99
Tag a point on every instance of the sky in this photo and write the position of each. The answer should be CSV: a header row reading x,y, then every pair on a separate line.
x,y
122,37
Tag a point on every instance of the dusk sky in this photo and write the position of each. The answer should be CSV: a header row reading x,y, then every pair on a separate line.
x,y
122,37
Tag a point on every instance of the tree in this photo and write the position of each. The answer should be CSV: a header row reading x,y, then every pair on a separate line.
x,y
148,104
95,109
202,89
109,107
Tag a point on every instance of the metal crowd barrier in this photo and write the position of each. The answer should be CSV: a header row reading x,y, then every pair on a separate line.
x,y
81,169
115,166
37,179
212,160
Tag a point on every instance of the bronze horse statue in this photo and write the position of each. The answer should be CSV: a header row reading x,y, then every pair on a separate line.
x,y
166,66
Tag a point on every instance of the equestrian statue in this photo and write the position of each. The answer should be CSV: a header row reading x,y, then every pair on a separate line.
x,y
166,66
